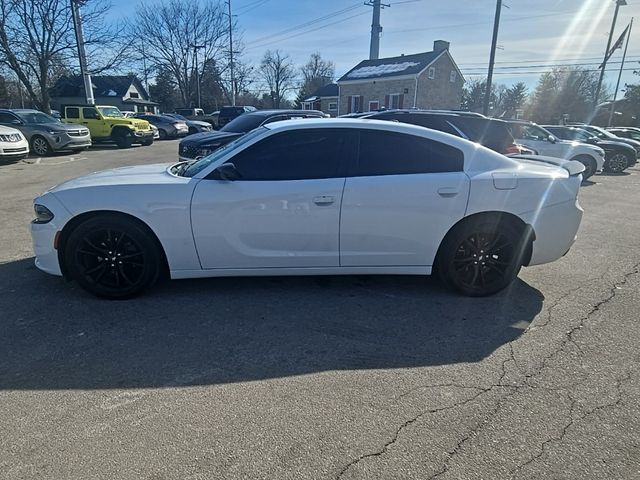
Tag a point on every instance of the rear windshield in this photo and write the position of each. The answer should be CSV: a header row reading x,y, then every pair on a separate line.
x,y
243,123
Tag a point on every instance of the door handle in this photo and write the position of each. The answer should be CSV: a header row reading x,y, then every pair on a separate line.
x,y
448,192
324,200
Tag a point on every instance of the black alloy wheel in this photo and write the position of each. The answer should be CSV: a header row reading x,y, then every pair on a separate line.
x,y
124,140
112,257
40,146
616,163
480,258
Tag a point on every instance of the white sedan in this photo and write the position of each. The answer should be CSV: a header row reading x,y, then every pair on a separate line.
x,y
312,197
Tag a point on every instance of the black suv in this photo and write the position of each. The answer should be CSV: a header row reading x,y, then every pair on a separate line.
x,y
230,113
490,132
202,144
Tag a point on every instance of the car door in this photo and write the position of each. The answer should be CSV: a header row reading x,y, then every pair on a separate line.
x,y
402,195
284,211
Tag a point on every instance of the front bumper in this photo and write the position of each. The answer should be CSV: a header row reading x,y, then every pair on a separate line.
x,y
14,150
143,135
555,228
43,235
64,141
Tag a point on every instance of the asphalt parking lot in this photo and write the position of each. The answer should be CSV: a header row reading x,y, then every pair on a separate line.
x,y
322,377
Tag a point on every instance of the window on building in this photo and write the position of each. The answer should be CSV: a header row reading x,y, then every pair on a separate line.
x,y
431,73
134,95
333,106
395,100
355,103
374,105
452,76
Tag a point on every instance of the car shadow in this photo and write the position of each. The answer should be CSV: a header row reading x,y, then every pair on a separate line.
x,y
213,331
612,174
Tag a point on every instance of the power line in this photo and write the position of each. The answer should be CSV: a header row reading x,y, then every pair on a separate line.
x,y
307,31
515,67
306,24
539,72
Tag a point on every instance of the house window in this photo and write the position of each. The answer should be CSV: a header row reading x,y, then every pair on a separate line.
x,y
306,106
355,103
374,105
395,100
333,106
431,73
452,76
134,95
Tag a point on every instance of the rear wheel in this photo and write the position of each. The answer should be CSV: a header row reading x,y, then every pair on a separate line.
x,y
481,256
616,163
163,134
112,257
40,146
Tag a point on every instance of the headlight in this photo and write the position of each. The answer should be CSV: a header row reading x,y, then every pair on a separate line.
x,y
53,132
43,214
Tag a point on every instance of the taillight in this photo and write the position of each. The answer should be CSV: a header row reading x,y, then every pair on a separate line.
x,y
511,149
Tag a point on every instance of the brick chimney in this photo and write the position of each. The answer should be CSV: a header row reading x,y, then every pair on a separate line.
x,y
440,46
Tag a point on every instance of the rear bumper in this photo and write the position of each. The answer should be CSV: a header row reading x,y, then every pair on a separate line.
x,y
555,228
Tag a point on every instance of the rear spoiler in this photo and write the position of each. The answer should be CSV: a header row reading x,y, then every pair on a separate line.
x,y
571,166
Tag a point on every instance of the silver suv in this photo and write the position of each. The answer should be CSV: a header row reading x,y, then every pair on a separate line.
x,y
45,133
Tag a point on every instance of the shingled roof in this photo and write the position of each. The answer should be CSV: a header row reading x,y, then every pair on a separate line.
x,y
391,67
103,86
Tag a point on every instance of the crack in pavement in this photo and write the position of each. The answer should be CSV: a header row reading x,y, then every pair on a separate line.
x,y
515,471
513,388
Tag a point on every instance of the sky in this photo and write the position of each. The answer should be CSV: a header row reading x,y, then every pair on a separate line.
x,y
533,35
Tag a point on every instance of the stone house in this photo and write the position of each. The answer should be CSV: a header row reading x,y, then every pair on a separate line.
x,y
324,99
429,80
125,92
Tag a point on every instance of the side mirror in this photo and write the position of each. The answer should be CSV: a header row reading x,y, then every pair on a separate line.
x,y
228,172
552,139
16,122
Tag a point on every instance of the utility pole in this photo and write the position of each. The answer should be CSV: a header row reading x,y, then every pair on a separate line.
x,y
619,3
233,78
492,58
376,28
624,56
195,50
82,55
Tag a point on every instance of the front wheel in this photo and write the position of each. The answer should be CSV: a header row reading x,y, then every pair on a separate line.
x,y
617,163
481,256
112,257
589,163
123,140
146,143
40,146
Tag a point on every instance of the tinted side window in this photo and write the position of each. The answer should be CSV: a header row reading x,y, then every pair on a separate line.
x,y
295,155
90,113
387,153
6,117
72,112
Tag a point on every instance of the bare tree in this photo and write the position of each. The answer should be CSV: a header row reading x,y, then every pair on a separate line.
x,y
278,73
172,34
316,73
37,42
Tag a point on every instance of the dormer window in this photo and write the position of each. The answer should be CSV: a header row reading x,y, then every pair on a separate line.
x,y
431,73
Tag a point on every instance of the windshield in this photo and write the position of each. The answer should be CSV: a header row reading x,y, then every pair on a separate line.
x,y
175,115
243,123
111,112
199,165
36,117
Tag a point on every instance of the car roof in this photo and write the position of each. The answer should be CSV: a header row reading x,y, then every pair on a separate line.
x,y
266,113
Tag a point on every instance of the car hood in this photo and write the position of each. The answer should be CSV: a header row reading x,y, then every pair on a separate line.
x,y
614,144
628,141
197,122
9,130
59,127
206,138
136,175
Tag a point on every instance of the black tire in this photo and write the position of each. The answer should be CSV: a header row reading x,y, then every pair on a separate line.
x,y
616,163
481,256
192,130
146,143
40,146
163,134
590,165
123,139
112,257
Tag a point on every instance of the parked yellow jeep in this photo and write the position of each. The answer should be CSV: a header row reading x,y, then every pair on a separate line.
x,y
108,124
